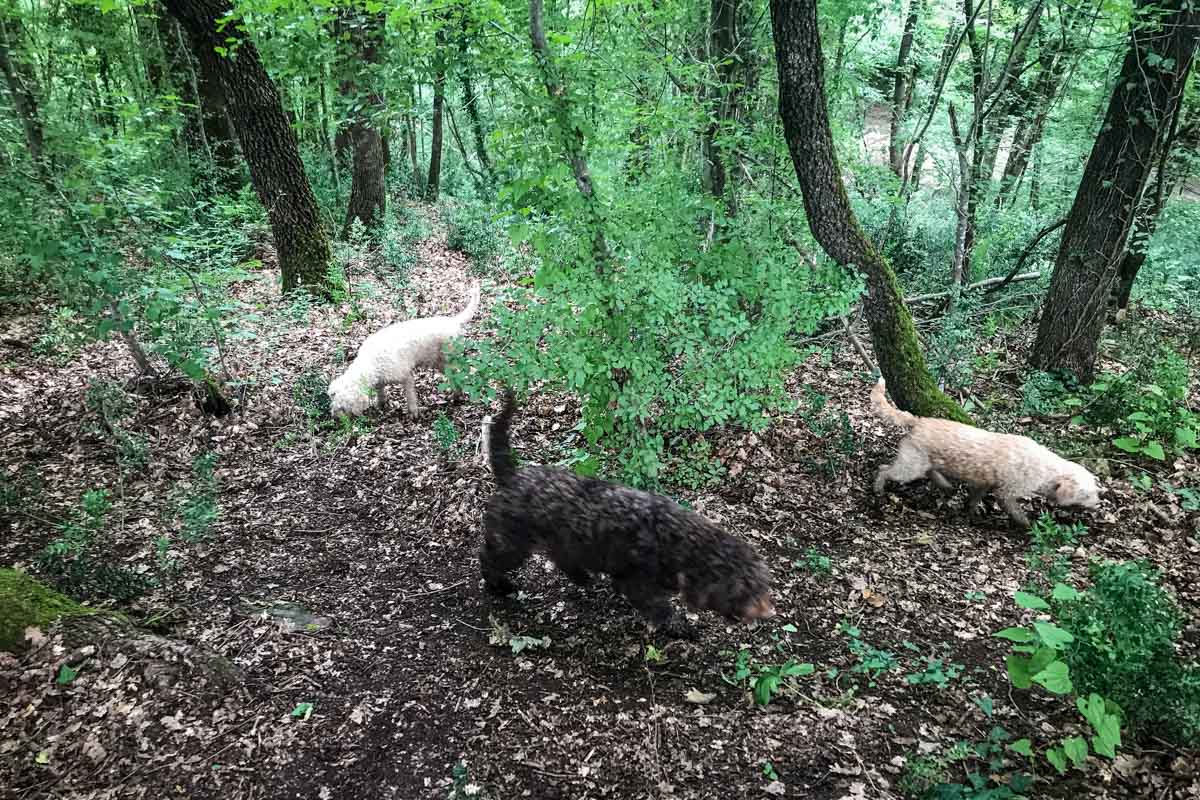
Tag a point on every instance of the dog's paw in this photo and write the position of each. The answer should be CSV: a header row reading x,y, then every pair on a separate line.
x,y
501,587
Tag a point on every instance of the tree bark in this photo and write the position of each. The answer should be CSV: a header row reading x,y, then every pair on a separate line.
x,y
722,101
21,81
902,83
368,194
1184,140
433,186
1146,94
810,142
470,97
267,140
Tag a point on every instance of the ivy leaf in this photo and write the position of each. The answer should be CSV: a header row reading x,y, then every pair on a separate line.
x,y
65,675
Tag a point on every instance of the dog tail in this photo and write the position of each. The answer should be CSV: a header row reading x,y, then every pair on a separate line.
x,y
467,313
499,450
887,412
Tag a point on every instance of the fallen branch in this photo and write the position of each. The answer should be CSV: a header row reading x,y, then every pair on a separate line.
x,y
996,282
1029,248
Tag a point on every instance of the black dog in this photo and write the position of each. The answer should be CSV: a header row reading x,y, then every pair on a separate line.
x,y
652,547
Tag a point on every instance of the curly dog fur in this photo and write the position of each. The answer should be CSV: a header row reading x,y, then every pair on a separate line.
x,y
1012,467
651,547
389,356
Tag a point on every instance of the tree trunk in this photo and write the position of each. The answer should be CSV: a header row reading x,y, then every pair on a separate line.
x,y
470,98
368,194
1162,45
722,99
20,79
433,186
902,83
810,143
410,138
1184,140
268,142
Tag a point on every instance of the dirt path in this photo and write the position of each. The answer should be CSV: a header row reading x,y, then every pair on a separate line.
x,y
409,697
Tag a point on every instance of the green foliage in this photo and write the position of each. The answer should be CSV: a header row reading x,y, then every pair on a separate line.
x,y
1170,277
936,672
1049,539
111,409
446,435
72,561
1125,631
62,338
501,636
472,229
765,680
835,435
198,507
310,391
1147,405
952,348
815,562
1043,393
691,463
869,661
403,228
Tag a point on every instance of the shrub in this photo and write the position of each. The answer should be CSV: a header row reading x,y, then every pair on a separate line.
x,y
1126,627
71,562
472,230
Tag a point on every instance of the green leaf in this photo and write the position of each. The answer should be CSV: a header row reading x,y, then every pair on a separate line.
x,y
302,710
1064,592
1139,416
789,628
1154,450
1076,749
764,687
1015,634
798,670
1128,444
1186,437
66,674
1052,635
1057,759
1055,678
1030,601
1022,746
1018,671
985,704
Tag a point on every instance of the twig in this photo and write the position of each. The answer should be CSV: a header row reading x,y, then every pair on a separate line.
x,y
858,345
1029,248
1012,278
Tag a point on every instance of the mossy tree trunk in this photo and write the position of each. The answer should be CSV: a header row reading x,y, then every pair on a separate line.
x,y
810,142
1145,96
20,79
267,139
25,603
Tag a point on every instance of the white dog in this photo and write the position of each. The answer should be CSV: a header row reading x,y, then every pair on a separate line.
x,y
389,356
1010,466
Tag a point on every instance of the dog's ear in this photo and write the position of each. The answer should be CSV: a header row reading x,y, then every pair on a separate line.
x,y
1065,490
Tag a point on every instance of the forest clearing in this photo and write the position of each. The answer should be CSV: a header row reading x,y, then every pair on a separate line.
x,y
244,243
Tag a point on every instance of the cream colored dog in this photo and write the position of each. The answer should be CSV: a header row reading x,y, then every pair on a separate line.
x,y
389,356
1011,467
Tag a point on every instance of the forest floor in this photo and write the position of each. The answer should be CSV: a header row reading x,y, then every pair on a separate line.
x,y
414,685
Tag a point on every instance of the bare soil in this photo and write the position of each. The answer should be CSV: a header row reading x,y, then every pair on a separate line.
x,y
411,699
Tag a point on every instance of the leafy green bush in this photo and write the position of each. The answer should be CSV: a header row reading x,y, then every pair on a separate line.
x,y
1148,405
1125,629
71,563
111,408
1043,393
472,229
310,392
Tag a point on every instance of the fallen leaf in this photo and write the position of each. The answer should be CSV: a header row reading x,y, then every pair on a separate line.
x,y
698,697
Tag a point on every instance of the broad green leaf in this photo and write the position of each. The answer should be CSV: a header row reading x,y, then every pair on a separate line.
x,y
1030,601
1055,678
1023,747
1063,591
1076,749
1186,437
1052,635
985,704
1015,634
1128,444
1018,671
1057,759
1154,450
66,674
